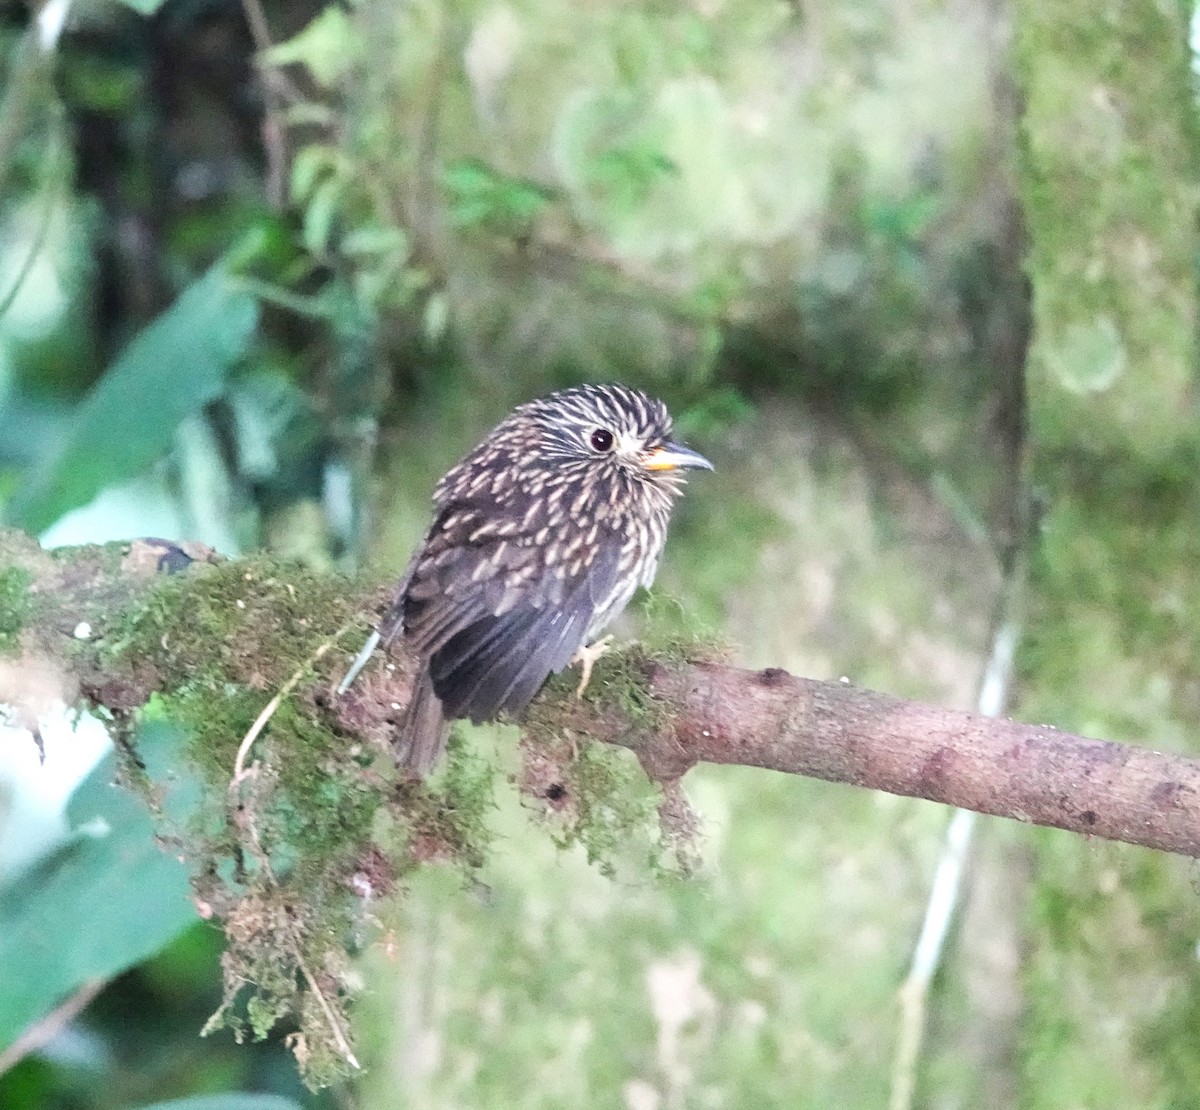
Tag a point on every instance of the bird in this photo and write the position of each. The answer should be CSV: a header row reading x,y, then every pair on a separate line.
x,y
541,535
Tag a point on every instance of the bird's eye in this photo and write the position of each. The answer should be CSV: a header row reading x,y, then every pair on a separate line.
x,y
602,440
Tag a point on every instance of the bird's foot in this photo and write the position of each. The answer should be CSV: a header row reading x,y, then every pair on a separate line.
x,y
586,657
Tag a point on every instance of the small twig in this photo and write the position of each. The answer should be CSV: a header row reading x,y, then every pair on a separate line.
x,y
42,1032
335,1024
277,88
939,913
946,889
295,946
260,722
292,936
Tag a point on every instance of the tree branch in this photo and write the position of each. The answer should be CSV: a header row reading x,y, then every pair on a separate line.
x,y
713,713
672,712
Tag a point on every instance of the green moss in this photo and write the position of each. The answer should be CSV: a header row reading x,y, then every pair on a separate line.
x,y
455,808
249,621
288,853
14,606
619,678
326,803
614,811
672,633
279,863
284,856
603,801
276,943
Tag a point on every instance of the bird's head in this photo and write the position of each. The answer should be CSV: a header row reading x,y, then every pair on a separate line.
x,y
613,429
593,445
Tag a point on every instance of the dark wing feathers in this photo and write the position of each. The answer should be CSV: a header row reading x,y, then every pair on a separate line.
x,y
487,634
501,662
550,655
493,623
469,678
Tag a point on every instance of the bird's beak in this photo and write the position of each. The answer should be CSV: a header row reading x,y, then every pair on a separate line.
x,y
674,456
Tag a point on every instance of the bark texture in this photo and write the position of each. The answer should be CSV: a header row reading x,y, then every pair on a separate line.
x,y
713,713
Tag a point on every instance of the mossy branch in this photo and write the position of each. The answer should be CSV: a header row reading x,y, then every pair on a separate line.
x,y
674,713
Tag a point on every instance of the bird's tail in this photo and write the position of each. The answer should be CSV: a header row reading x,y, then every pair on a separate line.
x,y
421,738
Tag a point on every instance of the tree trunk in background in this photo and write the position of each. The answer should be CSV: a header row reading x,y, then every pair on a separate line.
x,y
1109,181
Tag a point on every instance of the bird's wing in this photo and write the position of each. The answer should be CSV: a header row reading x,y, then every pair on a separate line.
x,y
493,617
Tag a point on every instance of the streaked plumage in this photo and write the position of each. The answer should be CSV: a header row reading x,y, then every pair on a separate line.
x,y
540,537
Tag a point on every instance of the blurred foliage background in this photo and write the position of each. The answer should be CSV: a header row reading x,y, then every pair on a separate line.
x,y
919,277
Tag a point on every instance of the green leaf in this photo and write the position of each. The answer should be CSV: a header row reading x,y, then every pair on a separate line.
x,y
174,366
311,163
230,1101
320,214
328,47
374,239
480,195
108,900
468,177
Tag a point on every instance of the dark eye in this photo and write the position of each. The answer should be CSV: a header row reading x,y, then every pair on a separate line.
x,y
602,440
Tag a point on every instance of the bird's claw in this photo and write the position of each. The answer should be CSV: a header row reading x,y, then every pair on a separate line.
x,y
586,657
